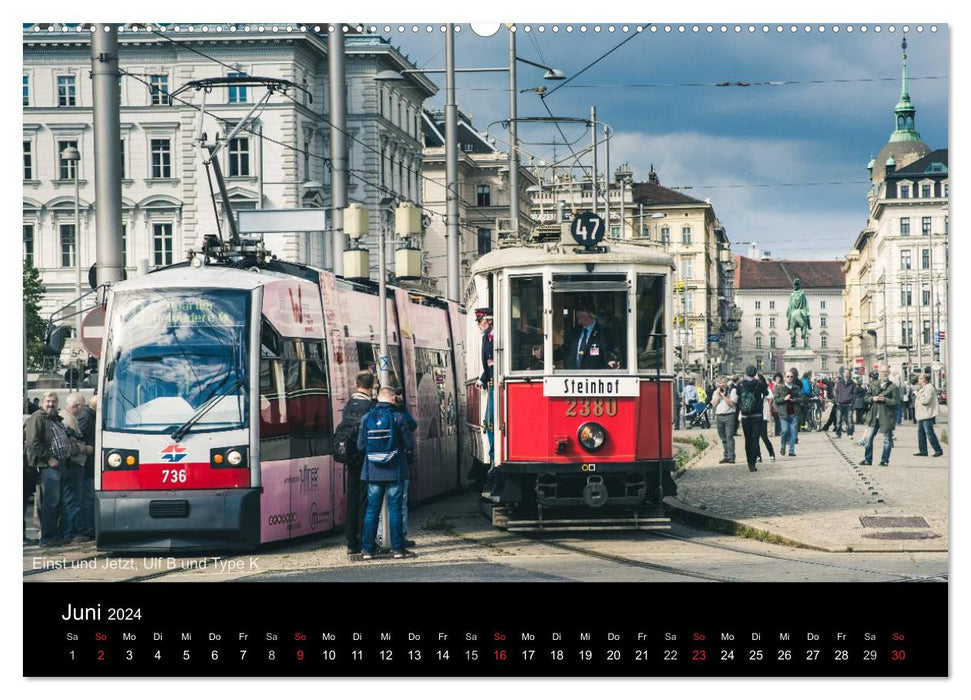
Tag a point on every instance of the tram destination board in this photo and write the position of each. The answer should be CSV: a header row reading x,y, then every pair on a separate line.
x,y
520,629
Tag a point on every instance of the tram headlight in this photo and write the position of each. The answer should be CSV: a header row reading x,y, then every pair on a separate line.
x,y
234,457
114,460
591,436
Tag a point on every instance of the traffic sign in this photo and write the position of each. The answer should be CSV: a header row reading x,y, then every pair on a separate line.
x,y
93,330
587,229
716,337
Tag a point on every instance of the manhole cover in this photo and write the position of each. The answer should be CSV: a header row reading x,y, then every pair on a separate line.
x,y
902,535
880,521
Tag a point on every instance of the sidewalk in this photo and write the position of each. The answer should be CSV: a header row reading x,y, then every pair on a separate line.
x,y
818,497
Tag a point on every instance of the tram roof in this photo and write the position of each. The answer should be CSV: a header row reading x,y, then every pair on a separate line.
x,y
213,276
556,254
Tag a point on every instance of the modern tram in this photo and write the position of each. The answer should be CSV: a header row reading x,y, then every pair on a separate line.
x,y
582,430
221,385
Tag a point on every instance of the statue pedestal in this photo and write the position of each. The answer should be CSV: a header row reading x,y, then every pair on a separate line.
x,y
803,359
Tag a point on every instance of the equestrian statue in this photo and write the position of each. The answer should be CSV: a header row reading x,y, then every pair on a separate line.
x,y
798,315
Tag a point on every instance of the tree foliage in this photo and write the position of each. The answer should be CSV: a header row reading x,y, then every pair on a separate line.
x,y
33,293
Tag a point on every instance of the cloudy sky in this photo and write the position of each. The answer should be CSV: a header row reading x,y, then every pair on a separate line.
x,y
759,153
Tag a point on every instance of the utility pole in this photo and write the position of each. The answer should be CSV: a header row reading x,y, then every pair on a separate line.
x,y
107,156
593,148
452,168
513,140
338,149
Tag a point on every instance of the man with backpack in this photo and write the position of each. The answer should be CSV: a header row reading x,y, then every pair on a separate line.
x,y
751,398
347,453
385,439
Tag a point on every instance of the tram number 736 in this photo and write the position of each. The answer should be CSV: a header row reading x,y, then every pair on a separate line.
x,y
174,476
587,407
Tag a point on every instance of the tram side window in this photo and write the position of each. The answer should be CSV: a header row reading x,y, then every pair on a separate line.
x,y
590,322
650,321
527,323
366,358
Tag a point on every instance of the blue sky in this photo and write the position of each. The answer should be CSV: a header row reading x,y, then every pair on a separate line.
x,y
711,139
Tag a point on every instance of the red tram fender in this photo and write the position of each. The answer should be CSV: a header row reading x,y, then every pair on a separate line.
x,y
536,424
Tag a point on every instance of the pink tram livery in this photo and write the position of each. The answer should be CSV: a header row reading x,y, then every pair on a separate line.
x,y
221,385
582,399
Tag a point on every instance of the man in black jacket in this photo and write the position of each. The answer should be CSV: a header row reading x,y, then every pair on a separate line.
x,y
845,393
751,403
355,409
588,346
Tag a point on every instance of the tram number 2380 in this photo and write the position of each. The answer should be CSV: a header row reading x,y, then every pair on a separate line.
x,y
591,407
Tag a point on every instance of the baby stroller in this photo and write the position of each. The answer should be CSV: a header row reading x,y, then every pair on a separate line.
x,y
697,417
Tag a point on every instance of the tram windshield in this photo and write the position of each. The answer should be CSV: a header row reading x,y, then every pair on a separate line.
x,y
169,352
590,322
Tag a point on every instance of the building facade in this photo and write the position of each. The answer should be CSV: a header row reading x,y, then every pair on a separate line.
x,y
281,161
897,272
762,291
647,213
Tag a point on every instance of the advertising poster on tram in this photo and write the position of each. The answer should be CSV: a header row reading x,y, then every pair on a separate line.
x,y
634,334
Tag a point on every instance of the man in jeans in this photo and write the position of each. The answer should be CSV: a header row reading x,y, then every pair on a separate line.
x,y
787,397
926,410
385,440
845,392
883,417
354,410
725,402
751,393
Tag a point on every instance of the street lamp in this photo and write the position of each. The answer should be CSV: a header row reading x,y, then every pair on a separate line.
x,y
73,156
451,140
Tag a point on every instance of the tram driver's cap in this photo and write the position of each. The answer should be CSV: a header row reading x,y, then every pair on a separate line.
x,y
483,313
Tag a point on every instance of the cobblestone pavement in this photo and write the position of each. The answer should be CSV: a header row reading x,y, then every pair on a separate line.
x,y
818,497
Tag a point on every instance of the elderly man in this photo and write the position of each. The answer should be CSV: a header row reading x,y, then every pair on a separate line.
x,y
588,346
87,425
926,411
725,401
884,399
81,449
49,449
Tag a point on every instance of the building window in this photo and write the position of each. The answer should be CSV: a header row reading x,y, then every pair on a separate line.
x,y
28,160
483,196
926,333
689,303
615,231
771,321
239,158
772,342
159,90
162,243
161,158
905,226
906,332
686,268
665,235
758,321
758,342
686,235
237,93
823,360
26,91
822,321
925,225
66,167
771,306
905,191
121,153
758,305
925,258
124,245
925,295
484,240
906,297
822,304
29,244
925,191
905,260
306,160
66,91
822,342
67,245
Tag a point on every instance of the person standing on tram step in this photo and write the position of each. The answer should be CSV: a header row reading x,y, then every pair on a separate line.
x,y
927,410
725,401
483,317
590,345
345,448
385,440
751,404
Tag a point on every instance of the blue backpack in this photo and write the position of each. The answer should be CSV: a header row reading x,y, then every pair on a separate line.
x,y
380,434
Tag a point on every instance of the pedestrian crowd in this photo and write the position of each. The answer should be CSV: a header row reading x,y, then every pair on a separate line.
x,y
58,461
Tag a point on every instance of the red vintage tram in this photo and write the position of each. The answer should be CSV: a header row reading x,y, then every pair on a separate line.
x,y
582,429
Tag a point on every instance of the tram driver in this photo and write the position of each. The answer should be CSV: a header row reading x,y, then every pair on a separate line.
x,y
590,345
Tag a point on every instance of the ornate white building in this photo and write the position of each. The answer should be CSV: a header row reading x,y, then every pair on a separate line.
x,y
280,163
